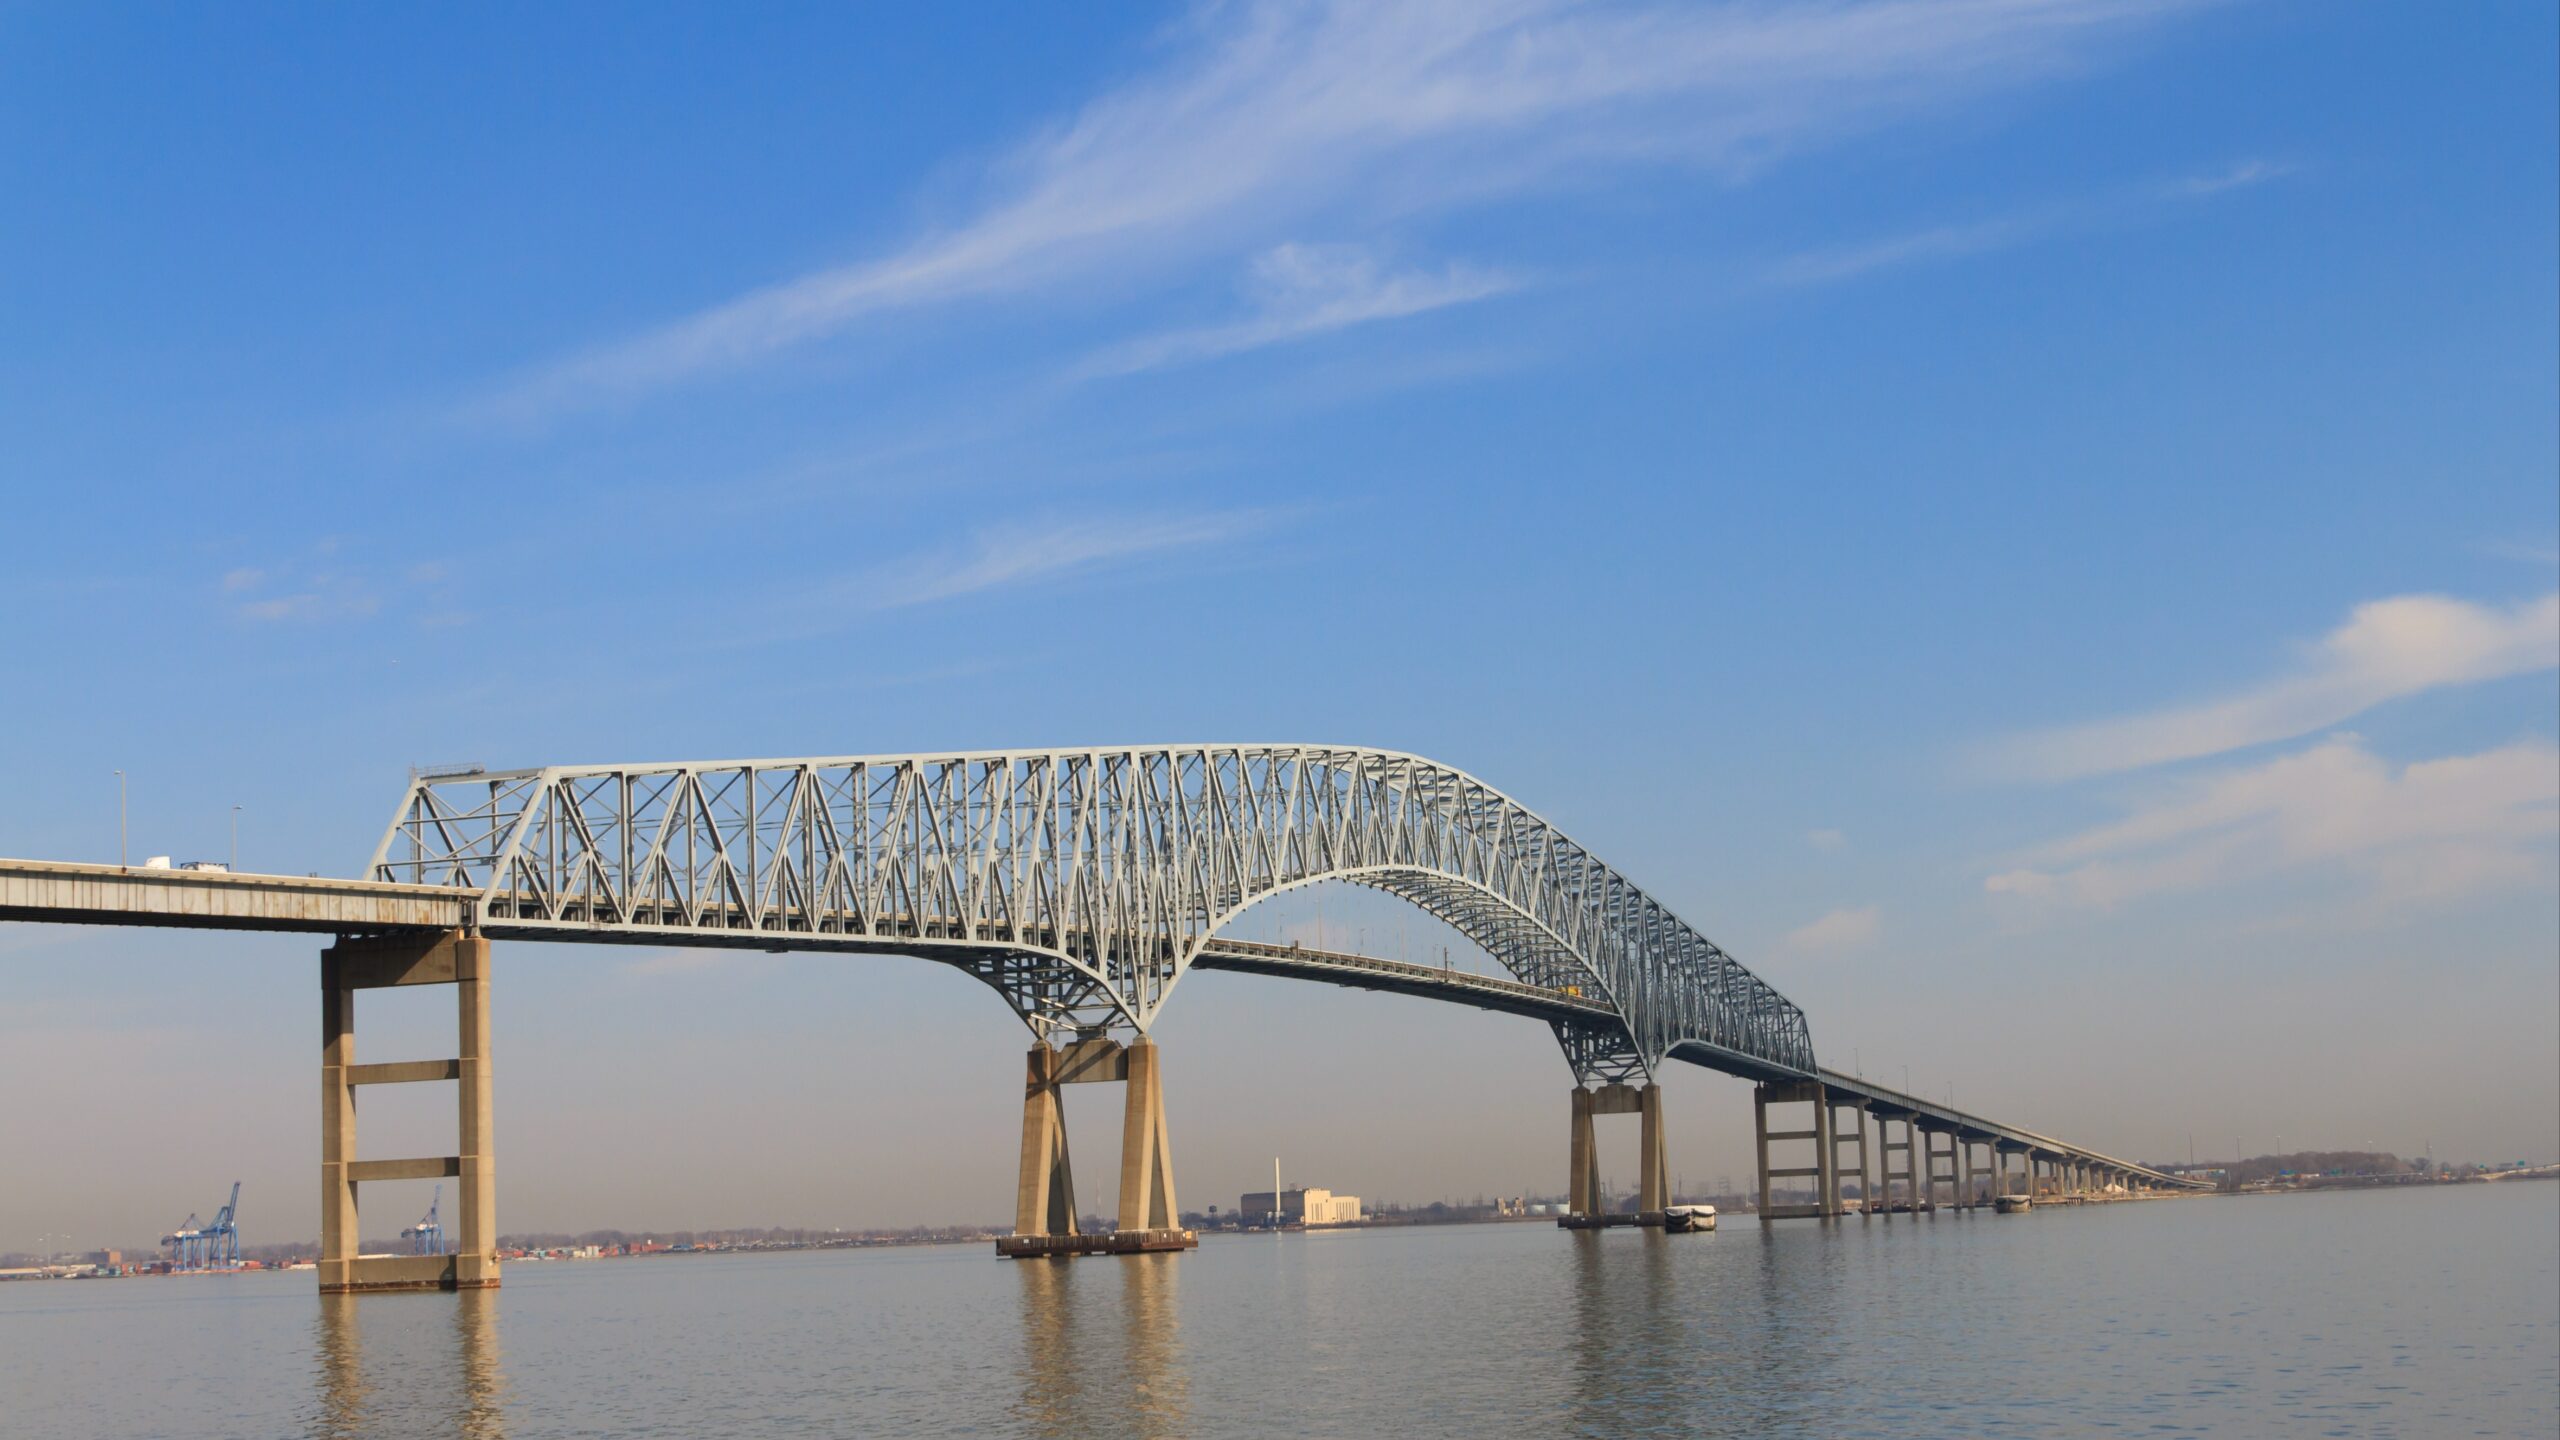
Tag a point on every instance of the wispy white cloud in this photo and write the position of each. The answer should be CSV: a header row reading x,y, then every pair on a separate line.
x,y
1272,113
2018,227
2387,649
1837,932
2431,831
320,585
304,595
1300,291
2530,552
1010,556
1825,839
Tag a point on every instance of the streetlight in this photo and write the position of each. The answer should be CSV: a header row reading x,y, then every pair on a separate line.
x,y
235,837
121,827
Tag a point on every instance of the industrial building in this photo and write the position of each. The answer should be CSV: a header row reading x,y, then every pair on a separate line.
x,y
1307,1206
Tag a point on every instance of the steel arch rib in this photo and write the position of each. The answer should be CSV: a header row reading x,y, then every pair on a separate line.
x,y
1105,869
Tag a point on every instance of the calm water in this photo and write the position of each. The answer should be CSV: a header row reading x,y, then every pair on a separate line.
x,y
2355,1314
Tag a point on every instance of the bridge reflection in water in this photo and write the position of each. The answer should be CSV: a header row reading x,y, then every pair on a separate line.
x,y
1102,1353
408,1369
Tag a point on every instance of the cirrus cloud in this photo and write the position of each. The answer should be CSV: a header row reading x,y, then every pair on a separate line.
x,y
1841,930
1270,114
2387,649
2430,831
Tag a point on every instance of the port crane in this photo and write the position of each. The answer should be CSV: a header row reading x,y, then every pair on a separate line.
x,y
427,1236
208,1247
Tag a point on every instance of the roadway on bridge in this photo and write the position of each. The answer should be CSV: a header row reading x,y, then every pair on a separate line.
x,y
64,893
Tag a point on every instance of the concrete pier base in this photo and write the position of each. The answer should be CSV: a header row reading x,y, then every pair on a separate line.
x,y
445,958
1112,1242
1618,1220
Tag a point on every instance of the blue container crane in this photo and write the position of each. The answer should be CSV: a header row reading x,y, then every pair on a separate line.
x,y
208,1247
427,1236
222,1237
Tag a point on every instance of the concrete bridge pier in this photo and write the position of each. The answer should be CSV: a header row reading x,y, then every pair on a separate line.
x,y
1932,1176
451,957
1913,1174
2003,1182
1044,1217
1044,1198
1841,1136
1825,1169
1587,1207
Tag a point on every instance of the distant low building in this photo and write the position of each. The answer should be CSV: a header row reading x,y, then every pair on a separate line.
x,y
1308,1206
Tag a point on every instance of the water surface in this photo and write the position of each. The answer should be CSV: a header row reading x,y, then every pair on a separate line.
x,y
2361,1314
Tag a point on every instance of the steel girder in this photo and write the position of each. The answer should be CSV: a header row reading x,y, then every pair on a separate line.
x,y
1078,883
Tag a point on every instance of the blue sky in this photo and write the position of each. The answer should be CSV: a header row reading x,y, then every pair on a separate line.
x,y
2035,525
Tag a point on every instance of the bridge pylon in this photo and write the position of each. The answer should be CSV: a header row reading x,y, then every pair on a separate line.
x,y
1044,1208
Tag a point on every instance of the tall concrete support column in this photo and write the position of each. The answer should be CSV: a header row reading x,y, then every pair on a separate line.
x,y
1044,1199
1885,1147
1585,1175
1760,1133
1964,1173
475,1259
451,957
1146,1156
1653,1185
1825,1144
337,1135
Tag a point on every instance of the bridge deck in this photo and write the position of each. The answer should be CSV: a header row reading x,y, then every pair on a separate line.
x,y
59,893
68,894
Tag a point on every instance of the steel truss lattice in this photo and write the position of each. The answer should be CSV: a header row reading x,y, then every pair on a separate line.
x,y
1079,883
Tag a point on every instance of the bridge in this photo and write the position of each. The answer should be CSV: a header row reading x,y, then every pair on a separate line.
x,y
1080,886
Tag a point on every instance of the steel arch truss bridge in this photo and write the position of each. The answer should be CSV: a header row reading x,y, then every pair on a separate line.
x,y
1082,884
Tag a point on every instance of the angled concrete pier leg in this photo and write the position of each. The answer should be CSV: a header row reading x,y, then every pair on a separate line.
x,y
1044,1199
1584,1183
1653,1186
1760,1135
1146,1157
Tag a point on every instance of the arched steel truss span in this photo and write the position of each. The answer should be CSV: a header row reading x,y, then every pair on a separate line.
x,y
1081,884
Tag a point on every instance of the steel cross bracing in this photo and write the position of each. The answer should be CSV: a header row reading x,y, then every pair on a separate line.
x,y
1079,883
